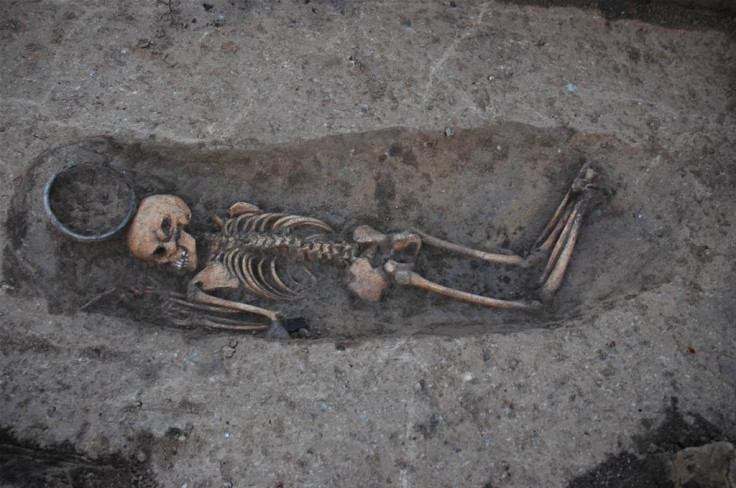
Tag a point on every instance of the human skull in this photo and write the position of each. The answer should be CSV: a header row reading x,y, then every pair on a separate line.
x,y
156,233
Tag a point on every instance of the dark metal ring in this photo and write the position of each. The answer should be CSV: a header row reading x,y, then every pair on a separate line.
x,y
82,237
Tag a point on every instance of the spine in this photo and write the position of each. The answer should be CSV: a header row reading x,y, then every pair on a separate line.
x,y
336,253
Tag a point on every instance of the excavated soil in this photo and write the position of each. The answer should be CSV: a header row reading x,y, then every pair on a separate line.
x,y
492,188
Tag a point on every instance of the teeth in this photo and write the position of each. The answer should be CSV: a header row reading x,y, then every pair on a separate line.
x,y
183,260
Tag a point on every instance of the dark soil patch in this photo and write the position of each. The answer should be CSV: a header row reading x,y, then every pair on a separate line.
x,y
647,466
683,14
28,464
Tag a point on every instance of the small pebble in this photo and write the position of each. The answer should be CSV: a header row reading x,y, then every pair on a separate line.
x,y
228,351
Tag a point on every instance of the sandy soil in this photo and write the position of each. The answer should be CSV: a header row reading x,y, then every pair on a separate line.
x,y
465,119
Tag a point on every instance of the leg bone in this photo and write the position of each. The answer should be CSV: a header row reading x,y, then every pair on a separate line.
x,y
493,258
406,277
566,228
554,235
584,180
553,224
554,281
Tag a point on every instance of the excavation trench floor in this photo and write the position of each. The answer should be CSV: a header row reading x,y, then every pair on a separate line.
x,y
492,189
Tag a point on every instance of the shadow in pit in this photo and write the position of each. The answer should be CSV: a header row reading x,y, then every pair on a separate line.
x,y
27,464
491,188
717,15
648,465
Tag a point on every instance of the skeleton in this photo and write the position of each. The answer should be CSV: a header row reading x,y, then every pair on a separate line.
x,y
253,251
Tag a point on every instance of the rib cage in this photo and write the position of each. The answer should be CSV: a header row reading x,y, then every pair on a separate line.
x,y
253,245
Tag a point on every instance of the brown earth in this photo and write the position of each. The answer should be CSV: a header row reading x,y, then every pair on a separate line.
x,y
465,119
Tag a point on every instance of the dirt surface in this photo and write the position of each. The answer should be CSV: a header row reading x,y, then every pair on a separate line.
x,y
465,119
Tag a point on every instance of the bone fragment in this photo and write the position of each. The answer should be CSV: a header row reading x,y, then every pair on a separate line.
x,y
554,281
261,222
561,209
211,324
405,240
297,221
365,234
197,295
215,276
367,282
493,258
407,277
202,307
273,287
241,208
554,235
279,282
247,267
560,242
549,235
235,262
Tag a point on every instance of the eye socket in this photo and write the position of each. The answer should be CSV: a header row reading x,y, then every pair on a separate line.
x,y
159,252
166,225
